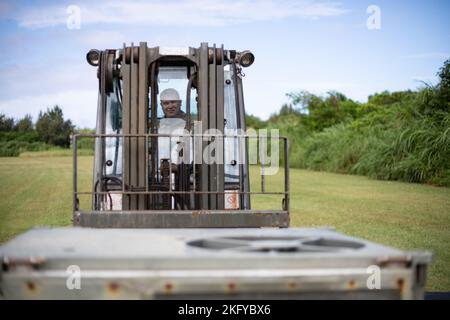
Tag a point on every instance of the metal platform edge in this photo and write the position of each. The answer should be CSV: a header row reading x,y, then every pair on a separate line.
x,y
182,219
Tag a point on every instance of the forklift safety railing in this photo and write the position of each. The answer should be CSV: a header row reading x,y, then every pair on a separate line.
x,y
185,216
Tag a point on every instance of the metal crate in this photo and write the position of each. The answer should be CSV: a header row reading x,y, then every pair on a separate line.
x,y
296,263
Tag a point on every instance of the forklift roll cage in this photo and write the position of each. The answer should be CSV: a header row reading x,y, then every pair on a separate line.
x,y
157,193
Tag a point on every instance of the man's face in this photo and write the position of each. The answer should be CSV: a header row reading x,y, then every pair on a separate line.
x,y
171,108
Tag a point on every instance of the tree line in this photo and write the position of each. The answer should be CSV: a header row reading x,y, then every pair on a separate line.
x,y
401,135
50,130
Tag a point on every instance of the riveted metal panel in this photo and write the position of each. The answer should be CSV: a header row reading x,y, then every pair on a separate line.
x,y
205,263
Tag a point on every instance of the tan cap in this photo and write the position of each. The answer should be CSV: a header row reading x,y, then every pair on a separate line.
x,y
169,94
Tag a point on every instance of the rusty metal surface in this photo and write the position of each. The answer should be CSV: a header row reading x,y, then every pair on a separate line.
x,y
182,219
205,263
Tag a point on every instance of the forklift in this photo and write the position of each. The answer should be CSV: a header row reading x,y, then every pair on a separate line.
x,y
170,216
146,175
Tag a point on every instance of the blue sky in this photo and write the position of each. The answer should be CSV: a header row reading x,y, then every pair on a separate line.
x,y
299,45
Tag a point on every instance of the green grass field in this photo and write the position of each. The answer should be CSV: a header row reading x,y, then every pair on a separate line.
x,y
36,190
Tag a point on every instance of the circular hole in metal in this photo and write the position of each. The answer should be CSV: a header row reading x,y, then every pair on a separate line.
x,y
288,244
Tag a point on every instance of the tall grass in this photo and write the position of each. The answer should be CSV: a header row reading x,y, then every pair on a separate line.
x,y
406,147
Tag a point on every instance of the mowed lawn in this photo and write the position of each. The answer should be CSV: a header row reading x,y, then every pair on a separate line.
x,y
37,190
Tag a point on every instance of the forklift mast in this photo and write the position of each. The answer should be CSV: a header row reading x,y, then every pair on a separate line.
x,y
153,171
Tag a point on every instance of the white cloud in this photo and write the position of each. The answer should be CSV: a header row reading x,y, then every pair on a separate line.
x,y
42,17
103,39
80,106
49,76
180,13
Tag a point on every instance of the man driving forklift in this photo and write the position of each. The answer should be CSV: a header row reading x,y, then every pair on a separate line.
x,y
171,104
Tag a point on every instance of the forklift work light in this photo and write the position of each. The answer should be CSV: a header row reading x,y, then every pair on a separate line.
x,y
246,59
93,57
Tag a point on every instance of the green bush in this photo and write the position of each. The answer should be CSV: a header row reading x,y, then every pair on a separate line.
x,y
86,143
31,136
13,148
9,151
401,147
13,143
